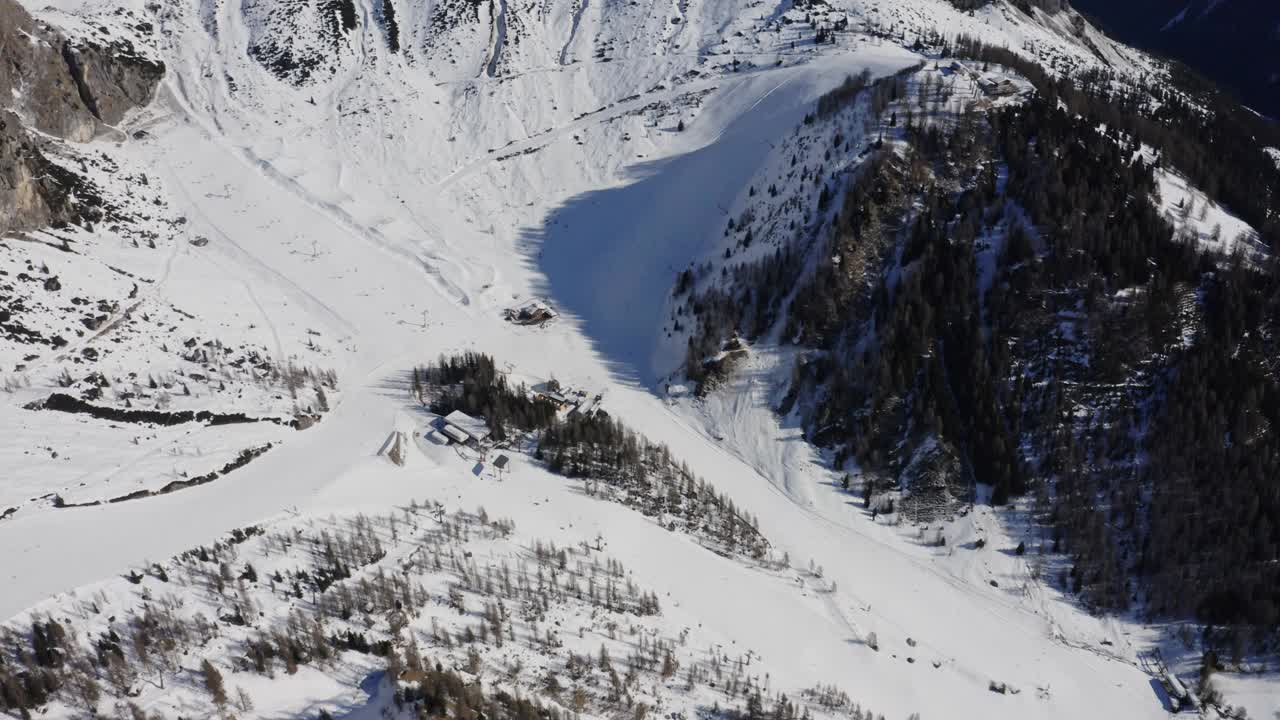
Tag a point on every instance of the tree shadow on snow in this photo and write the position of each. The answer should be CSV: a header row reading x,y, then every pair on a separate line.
x,y
399,386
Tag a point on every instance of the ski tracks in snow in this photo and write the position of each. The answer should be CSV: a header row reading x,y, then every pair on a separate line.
x,y
348,222
332,211
546,137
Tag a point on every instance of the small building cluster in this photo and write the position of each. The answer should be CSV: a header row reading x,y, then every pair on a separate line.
x,y
557,398
533,312
570,402
463,429
991,87
998,88
459,428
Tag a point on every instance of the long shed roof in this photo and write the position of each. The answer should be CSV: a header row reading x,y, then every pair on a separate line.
x,y
473,427
455,434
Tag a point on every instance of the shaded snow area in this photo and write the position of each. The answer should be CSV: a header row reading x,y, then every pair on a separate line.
x,y
1198,219
620,301
326,195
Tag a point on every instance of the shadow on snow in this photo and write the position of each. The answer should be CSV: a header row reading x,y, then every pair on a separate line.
x,y
610,257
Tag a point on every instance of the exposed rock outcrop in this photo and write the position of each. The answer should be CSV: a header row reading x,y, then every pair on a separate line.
x,y
1026,6
112,79
35,81
933,482
35,192
66,88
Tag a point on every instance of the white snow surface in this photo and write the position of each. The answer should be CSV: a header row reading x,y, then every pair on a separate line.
x,y
389,209
1199,219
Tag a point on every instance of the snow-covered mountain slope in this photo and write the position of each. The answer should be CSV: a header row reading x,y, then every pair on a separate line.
x,y
755,346
1204,221
338,191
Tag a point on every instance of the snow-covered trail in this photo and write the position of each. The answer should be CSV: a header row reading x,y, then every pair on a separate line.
x,y
371,291
300,294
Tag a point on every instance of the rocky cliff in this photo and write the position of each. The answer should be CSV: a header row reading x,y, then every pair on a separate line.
x,y
64,87
35,81
111,78
34,192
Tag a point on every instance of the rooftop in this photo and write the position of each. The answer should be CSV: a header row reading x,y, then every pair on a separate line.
x,y
473,427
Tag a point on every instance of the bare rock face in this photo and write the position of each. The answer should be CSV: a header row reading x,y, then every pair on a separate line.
x,y
20,204
34,79
934,483
33,191
113,78
66,87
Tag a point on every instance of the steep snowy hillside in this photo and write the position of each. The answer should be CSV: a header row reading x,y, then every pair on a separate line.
x,y
326,194
961,289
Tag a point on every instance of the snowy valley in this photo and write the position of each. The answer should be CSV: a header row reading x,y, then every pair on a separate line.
x,y
242,239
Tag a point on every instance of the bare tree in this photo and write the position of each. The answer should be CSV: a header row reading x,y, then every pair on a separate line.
x,y
244,702
213,683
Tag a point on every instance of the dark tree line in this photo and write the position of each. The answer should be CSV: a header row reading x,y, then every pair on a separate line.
x,y
648,478
1196,127
749,300
1215,448
615,461
470,382
1049,6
